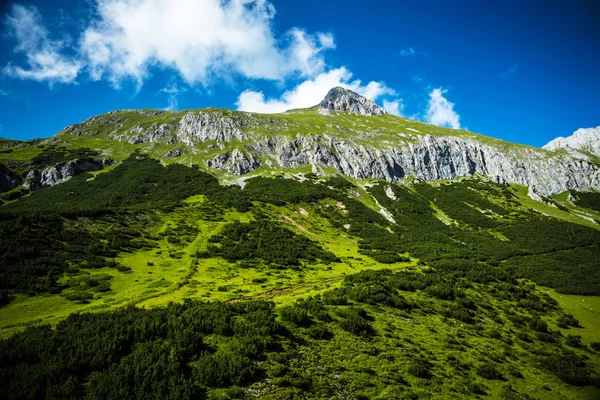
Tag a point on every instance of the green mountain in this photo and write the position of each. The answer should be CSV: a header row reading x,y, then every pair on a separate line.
x,y
331,252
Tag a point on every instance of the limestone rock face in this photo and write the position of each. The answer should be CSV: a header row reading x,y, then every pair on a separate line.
x,y
344,100
59,173
236,162
582,143
432,157
140,134
200,127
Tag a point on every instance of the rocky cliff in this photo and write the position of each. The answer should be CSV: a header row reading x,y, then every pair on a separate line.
x,y
343,100
59,173
429,157
583,143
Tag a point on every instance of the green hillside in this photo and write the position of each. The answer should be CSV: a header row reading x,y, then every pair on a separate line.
x,y
153,280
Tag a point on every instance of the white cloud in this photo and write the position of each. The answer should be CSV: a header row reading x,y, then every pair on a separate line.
x,y
310,92
408,52
440,111
43,55
511,71
394,107
173,91
200,39
326,40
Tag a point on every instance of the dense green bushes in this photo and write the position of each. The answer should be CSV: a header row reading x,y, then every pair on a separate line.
x,y
279,191
489,371
37,248
546,250
134,353
587,199
267,241
138,183
190,350
568,366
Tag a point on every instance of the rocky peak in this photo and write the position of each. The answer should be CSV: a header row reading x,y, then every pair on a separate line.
x,y
344,100
582,141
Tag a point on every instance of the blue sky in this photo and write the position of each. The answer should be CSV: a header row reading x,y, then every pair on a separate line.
x,y
522,71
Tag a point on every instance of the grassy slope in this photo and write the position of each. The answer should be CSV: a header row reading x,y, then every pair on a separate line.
x,y
369,366
170,279
157,278
585,308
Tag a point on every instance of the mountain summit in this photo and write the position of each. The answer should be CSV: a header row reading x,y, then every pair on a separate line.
x,y
583,143
345,100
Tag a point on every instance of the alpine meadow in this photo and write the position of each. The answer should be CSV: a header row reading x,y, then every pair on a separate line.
x,y
292,248
217,254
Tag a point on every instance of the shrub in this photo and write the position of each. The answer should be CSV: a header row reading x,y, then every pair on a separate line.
x,y
538,325
441,291
476,388
319,331
569,367
495,334
420,368
356,323
295,315
567,320
574,341
223,368
335,297
489,371
79,296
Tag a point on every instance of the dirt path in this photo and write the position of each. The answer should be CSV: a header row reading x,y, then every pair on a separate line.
x,y
288,220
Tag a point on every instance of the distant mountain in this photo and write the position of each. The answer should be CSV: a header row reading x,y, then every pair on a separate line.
x,y
346,133
583,143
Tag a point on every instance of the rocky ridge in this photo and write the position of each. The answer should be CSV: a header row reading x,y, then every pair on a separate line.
x,y
582,143
240,143
430,157
343,100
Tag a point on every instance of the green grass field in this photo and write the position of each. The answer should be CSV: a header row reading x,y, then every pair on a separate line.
x,y
157,278
585,308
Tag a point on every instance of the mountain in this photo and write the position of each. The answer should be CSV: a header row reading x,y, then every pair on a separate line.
x,y
345,133
343,100
583,143
329,252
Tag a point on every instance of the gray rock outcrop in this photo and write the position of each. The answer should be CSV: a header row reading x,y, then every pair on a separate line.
x,y
59,173
145,134
236,162
432,158
344,100
200,127
582,143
